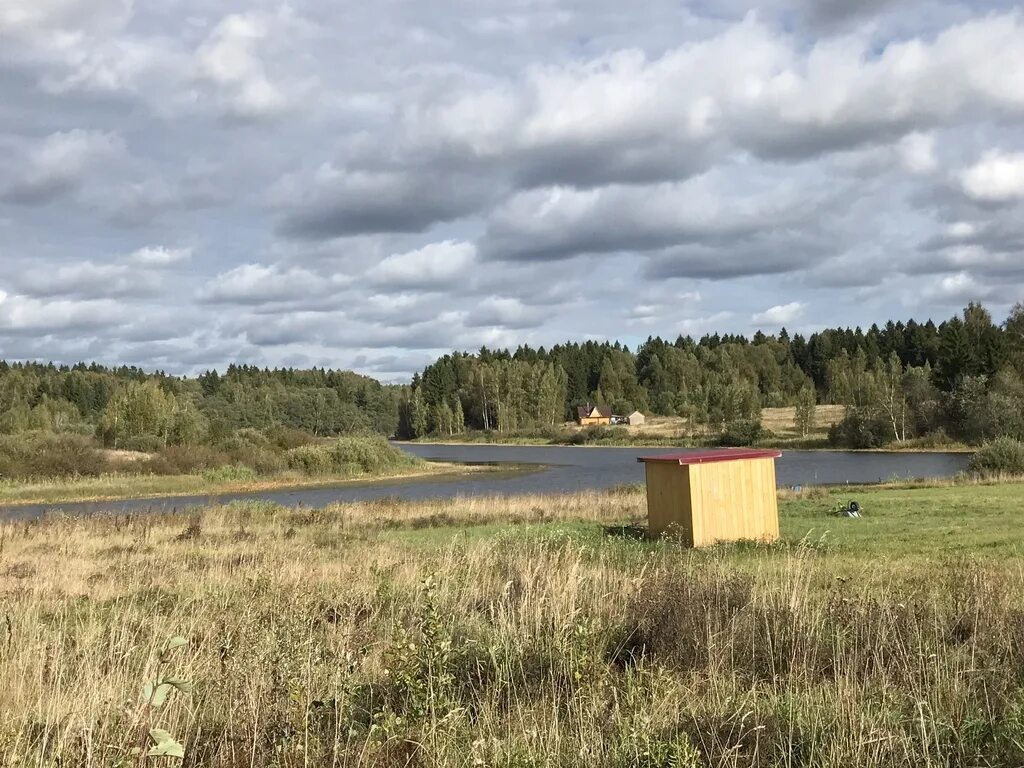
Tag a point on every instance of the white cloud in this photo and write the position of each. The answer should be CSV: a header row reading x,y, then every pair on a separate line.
x,y
229,59
956,290
917,152
262,283
997,177
434,266
504,312
23,314
158,256
780,314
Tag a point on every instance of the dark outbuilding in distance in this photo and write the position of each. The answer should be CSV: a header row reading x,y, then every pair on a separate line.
x,y
706,497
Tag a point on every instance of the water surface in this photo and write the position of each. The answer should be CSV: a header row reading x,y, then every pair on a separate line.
x,y
539,469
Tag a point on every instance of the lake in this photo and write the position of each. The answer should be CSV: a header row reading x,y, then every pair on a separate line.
x,y
539,469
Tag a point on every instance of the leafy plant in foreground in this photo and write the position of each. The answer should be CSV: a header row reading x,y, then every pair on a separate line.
x,y
154,696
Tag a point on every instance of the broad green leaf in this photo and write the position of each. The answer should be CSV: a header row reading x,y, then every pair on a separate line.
x,y
147,691
182,685
176,642
160,695
165,746
169,748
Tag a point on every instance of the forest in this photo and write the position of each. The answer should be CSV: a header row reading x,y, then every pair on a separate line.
x,y
959,380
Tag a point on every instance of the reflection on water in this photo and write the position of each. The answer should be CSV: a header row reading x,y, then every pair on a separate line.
x,y
555,469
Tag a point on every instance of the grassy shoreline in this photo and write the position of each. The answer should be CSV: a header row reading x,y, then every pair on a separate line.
x,y
121,487
688,444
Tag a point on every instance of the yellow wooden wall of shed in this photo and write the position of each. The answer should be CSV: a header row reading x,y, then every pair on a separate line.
x,y
718,501
668,501
734,500
591,421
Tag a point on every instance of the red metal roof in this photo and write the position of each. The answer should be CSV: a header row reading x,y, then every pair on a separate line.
x,y
713,454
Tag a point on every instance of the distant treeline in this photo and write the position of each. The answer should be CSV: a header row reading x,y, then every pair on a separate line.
x,y
129,408
960,379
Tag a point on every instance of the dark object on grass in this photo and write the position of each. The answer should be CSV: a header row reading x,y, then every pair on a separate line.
x,y
850,510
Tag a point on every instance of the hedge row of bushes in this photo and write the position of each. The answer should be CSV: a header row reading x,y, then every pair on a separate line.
x,y
247,452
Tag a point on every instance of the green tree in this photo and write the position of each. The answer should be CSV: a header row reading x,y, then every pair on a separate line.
x,y
136,410
806,407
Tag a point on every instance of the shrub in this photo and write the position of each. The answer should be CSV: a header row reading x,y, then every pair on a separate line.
x,y
183,460
594,434
242,439
348,455
310,460
742,432
287,438
1002,456
861,429
142,444
43,455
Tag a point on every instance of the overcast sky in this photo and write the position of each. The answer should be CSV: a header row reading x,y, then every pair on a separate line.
x,y
184,184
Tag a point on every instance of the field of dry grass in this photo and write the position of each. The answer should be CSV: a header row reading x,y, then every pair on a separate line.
x,y
534,631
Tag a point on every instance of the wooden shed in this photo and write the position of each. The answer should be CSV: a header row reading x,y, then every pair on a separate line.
x,y
724,494
636,419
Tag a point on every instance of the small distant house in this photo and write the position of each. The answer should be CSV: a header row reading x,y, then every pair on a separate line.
x,y
636,419
591,415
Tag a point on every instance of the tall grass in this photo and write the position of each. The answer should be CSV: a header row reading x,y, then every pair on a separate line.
x,y
389,633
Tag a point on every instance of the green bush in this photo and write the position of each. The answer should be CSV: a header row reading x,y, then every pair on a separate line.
x,y
741,432
861,429
287,438
348,456
38,455
1000,457
310,460
183,460
244,439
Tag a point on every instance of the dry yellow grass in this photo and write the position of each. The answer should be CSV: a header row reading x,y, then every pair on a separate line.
x,y
497,632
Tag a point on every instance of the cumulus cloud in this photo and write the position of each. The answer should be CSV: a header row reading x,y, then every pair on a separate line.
x,y
262,283
58,164
504,312
21,315
998,177
229,60
434,266
559,223
780,314
389,185
957,290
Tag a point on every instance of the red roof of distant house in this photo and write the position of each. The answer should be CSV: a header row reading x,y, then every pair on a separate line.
x,y
712,455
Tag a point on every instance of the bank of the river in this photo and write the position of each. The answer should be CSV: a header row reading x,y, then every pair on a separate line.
x,y
642,441
120,487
